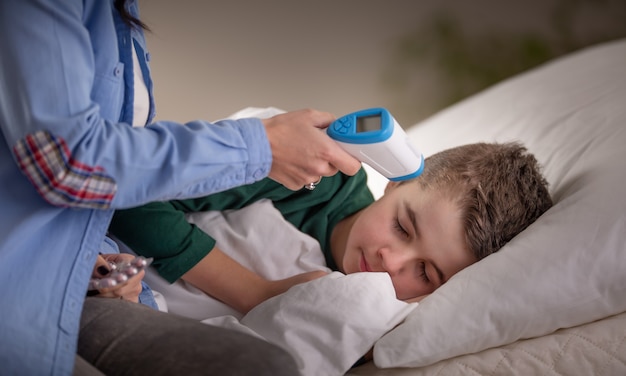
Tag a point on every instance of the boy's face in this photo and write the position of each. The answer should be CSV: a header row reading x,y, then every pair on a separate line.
x,y
413,234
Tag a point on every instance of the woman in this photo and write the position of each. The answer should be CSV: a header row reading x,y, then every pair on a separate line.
x,y
74,77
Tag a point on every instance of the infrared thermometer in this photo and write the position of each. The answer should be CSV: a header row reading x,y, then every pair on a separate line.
x,y
374,137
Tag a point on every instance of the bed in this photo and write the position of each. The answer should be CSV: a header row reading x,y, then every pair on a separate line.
x,y
552,301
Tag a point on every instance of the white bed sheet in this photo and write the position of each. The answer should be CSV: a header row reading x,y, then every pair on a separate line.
x,y
597,348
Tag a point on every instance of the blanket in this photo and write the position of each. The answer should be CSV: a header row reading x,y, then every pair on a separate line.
x,y
327,324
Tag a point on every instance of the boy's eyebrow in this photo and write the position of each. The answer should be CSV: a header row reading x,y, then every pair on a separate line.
x,y
412,217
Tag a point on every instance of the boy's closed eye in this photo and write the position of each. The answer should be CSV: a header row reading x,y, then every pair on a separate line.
x,y
400,229
421,272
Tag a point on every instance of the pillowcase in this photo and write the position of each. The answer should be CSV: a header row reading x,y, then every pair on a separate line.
x,y
566,269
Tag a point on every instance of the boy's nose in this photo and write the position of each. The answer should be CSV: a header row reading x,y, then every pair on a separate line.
x,y
392,262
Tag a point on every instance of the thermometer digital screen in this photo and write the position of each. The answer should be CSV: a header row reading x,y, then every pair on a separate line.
x,y
368,123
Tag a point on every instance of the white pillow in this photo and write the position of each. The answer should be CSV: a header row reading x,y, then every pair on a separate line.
x,y
569,267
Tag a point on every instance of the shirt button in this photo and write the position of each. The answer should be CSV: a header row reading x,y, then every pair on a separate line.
x,y
259,173
117,71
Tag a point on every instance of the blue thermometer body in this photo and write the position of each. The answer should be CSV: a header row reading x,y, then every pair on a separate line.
x,y
374,137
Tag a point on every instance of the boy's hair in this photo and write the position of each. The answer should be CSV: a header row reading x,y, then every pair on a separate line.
x,y
498,188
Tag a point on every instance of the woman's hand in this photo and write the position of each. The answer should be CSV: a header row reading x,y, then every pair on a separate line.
x,y
128,290
302,152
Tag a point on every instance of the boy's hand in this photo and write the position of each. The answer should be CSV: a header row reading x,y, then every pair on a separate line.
x,y
128,290
280,286
416,299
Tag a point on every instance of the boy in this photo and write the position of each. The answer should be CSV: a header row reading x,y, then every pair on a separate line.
x,y
468,202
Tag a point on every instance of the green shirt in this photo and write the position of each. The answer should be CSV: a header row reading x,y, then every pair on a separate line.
x,y
160,230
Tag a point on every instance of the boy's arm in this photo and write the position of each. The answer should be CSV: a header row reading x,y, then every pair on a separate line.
x,y
181,250
225,279
161,231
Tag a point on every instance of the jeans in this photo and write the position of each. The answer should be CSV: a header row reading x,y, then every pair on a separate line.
x,y
122,338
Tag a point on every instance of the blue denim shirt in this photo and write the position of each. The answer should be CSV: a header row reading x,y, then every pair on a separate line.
x,y
68,158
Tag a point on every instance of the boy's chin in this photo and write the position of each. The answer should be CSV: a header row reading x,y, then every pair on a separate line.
x,y
348,266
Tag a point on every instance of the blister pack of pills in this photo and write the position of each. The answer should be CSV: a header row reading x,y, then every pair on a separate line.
x,y
120,273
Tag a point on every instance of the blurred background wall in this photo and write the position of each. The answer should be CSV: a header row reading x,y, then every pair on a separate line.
x,y
211,58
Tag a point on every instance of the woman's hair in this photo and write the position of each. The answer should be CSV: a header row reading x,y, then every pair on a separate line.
x,y
132,21
499,189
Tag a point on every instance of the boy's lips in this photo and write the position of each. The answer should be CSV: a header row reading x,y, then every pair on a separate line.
x,y
363,265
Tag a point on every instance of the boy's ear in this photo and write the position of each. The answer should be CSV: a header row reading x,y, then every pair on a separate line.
x,y
391,185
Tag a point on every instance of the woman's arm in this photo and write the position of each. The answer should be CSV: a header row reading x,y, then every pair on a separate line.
x,y
62,90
